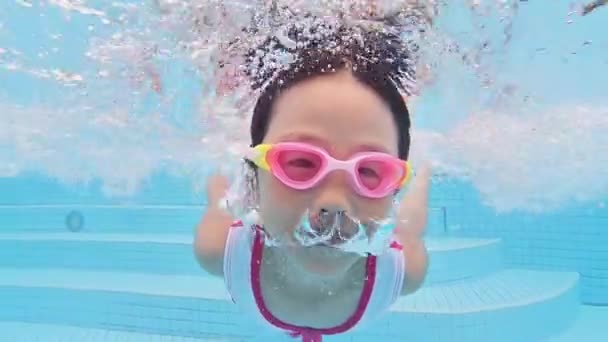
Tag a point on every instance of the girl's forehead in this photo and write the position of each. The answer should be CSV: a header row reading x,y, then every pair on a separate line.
x,y
334,115
329,97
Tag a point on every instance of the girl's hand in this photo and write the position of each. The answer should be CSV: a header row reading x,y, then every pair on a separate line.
x,y
413,210
212,230
217,186
424,172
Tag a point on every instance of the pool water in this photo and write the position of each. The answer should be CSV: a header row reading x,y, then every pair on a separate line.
x,y
81,260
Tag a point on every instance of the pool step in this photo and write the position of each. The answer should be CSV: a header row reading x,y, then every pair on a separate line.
x,y
134,219
450,258
143,253
510,305
529,305
192,306
36,332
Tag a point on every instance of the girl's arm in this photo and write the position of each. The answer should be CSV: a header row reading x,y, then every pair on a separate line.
x,y
212,231
593,6
413,217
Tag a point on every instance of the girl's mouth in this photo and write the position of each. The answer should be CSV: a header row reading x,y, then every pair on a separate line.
x,y
335,229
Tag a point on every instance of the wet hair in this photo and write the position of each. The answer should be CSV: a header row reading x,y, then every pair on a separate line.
x,y
377,58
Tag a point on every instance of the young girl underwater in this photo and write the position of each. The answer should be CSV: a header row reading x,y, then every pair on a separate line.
x,y
327,165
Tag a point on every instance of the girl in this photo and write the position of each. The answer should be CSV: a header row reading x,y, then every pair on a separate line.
x,y
329,137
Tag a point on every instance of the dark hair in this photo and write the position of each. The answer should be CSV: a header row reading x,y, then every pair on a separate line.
x,y
377,58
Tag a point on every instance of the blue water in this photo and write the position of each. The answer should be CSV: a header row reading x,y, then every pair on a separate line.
x,y
78,263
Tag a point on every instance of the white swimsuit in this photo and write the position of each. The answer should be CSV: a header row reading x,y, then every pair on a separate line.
x,y
242,260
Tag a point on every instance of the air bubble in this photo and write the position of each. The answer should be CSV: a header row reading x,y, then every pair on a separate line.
x,y
78,143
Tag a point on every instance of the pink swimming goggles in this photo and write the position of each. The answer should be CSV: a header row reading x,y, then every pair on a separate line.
x,y
302,166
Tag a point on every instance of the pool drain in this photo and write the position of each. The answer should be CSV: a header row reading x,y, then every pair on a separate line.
x,y
74,221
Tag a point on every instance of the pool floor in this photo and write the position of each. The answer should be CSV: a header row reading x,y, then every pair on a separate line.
x,y
588,327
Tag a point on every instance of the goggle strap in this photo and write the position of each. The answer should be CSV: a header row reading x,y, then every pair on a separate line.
x,y
258,154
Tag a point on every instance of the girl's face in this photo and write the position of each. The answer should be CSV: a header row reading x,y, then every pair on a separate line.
x,y
343,116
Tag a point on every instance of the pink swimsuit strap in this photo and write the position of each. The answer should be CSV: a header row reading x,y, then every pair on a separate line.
x,y
307,334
